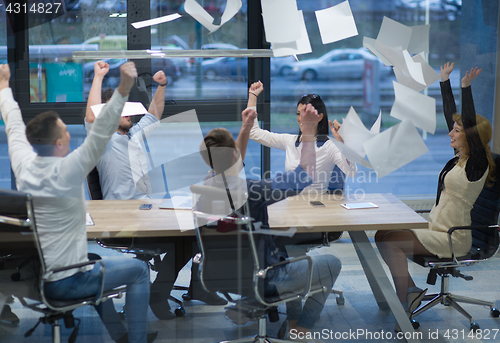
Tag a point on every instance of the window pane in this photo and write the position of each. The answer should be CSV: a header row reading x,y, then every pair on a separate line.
x,y
337,72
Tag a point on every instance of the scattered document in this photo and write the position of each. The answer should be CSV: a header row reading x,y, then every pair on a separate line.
x,y
280,20
196,11
155,21
351,154
336,23
358,205
371,44
417,107
298,47
394,148
88,220
130,109
354,133
394,34
419,41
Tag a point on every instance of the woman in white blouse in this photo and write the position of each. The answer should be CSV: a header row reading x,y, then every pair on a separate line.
x,y
327,154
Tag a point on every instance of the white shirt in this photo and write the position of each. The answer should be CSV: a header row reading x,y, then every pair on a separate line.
x,y
327,156
56,183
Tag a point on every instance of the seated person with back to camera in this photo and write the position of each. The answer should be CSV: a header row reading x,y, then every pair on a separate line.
x,y
325,267
123,175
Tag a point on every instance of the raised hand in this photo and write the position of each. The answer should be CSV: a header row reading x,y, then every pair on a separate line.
x,y
334,128
4,74
309,119
128,74
469,76
446,70
248,116
256,88
101,68
160,78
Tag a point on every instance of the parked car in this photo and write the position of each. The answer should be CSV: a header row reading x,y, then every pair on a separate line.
x,y
281,66
225,68
337,64
112,78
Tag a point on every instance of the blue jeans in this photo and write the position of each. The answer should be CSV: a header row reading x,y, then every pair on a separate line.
x,y
119,271
289,280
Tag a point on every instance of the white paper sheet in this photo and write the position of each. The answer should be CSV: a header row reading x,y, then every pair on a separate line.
x,y
280,20
336,23
129,109
395,147
394,34
429,74
298,47
351,154
414,68
354,133
419,41
196,11
371,44
376,126
417,107
393,54
156,21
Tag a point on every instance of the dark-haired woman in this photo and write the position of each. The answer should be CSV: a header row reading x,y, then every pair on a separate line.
x,y
327,154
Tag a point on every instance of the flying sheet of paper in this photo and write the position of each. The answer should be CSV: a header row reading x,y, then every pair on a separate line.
x,y
129,109
196,11
429,74
393,54
394,34
395,147
354,133
336,23
351,154
156,21
280,20
371,44
414,106
376,126
414,68
419,41
298,47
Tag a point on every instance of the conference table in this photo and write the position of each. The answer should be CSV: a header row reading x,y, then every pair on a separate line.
x,y
123,218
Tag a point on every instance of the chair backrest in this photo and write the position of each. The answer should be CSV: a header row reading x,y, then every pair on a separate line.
x,y
16,224
485,212
337,180
94,185
227,243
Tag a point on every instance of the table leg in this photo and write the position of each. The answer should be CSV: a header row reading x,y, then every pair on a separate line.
x,y
382,288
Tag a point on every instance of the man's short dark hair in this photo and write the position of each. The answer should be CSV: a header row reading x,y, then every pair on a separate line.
x,y
106,95
220,146
43,132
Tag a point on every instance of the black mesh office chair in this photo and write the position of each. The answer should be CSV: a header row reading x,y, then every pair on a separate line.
x,y
18,227
143,252
485,242
230,262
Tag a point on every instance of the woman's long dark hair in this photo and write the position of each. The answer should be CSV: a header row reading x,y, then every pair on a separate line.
x,y
319,105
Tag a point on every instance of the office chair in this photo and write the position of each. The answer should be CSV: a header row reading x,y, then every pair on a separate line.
x,y
485,243
229,261
128,245
18,227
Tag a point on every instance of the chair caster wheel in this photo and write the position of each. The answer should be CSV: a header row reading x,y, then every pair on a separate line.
x,y
415,324
122,315
180,312
474,327
494,313
16,276
340,300
186,297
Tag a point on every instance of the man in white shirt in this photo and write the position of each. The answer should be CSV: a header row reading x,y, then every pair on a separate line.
x,y
54,177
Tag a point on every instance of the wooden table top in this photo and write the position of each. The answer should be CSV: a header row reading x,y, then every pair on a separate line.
x,y
391,214
122,218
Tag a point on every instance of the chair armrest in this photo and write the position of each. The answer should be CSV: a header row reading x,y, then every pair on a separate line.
x,y
453,229
261,274
102,270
